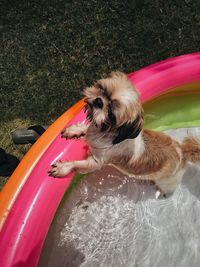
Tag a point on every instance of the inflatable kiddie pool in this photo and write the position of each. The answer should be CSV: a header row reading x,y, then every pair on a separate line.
x,y
170,90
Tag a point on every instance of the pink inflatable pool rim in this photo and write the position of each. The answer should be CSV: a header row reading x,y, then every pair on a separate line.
x,y
28,219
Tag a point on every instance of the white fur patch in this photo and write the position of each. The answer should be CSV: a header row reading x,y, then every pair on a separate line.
x,y
139,147
129,96
99,116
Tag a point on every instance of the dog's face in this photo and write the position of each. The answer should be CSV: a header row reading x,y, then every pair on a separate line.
x,y
113,103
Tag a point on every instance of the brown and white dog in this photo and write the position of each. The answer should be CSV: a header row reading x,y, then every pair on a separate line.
x,y
115,136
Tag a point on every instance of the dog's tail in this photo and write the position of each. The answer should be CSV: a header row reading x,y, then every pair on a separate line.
x,y
191,149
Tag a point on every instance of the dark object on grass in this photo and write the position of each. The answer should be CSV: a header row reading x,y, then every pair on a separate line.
x,y
8,163
29,135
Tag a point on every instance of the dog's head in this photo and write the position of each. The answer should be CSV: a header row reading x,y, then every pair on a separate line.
x,y
113,104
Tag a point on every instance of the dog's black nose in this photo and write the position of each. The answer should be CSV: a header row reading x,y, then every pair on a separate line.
x,y
98,102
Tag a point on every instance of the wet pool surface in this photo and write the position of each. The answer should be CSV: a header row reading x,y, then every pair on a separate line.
x,y
113,220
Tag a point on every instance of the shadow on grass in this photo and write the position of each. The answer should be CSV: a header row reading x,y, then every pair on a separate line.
x,y
8,163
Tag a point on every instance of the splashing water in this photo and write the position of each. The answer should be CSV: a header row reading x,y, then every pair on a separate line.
x,y
113,220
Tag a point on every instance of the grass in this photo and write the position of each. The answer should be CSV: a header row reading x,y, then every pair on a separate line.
x,y
50,50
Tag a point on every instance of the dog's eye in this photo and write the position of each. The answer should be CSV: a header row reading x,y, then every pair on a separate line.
x,y
98,102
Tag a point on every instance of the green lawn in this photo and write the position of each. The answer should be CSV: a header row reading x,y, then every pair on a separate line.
x,y
50,50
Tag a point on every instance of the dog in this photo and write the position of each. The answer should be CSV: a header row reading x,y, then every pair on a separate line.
x,y
115,136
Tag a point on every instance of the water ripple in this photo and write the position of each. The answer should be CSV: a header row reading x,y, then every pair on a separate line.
x,y
114,221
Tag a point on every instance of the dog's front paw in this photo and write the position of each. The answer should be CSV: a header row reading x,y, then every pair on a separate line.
x,y
61,169
72,132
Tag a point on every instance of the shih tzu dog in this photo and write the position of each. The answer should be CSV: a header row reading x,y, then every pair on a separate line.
x,y
115,136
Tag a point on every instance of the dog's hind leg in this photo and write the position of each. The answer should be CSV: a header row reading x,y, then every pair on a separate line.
x,y
168,185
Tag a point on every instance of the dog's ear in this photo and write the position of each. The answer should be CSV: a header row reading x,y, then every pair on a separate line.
x,y
129,130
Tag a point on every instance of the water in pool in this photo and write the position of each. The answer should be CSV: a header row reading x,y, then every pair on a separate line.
x,y
113,220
